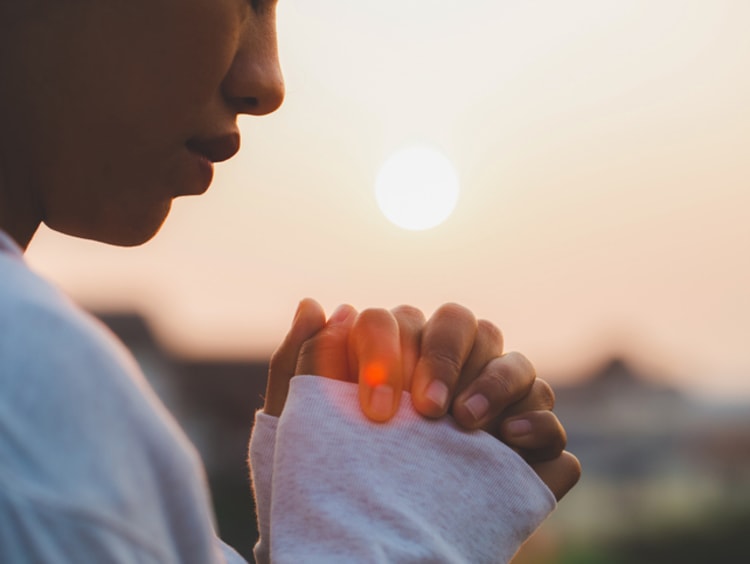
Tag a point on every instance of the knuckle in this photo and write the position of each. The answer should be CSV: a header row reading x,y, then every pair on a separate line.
x,y
521,365
500,378
555,435
455,312
409,313
373,319
372,314
545,394
490,331
560,440
573,466
511,376
445,362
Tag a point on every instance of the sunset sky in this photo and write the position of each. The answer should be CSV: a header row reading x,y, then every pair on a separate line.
x,y
603,150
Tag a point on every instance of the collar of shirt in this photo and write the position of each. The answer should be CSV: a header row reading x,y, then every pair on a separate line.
x,y
8,245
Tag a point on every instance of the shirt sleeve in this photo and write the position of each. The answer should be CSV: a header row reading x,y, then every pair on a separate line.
x,y
336,487
262,448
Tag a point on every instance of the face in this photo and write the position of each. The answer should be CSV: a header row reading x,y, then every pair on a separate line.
x,y
117,107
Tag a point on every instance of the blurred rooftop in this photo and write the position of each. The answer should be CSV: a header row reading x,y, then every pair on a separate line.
x,y
652,457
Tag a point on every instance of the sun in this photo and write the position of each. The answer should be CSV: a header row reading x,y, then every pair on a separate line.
x,y
417,188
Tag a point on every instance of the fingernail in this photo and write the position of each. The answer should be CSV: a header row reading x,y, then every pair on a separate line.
x,y
437,393
381,402
477,406
518,427
341,314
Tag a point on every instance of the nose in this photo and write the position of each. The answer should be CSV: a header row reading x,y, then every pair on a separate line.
x,y
254,84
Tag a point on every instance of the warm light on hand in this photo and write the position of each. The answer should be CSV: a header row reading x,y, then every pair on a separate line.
x,y
375,374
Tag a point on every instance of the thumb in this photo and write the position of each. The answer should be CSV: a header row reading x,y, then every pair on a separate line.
x,y
308,320
375,351
326,354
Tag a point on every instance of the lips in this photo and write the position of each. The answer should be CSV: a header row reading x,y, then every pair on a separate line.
x,y
205,152
216,149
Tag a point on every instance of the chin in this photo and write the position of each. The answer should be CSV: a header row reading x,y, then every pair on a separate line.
x,y
121,230
129,239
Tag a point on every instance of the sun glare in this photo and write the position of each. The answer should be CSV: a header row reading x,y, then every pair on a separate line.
x,y
417,188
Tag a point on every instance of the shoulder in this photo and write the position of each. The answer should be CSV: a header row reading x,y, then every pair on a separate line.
x,y
82,433
73,401
39,320
46,336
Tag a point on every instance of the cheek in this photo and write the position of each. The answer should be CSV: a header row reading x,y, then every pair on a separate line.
x,y
184,69
157,70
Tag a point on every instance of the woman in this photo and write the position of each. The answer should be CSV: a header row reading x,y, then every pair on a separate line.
x,y
108,111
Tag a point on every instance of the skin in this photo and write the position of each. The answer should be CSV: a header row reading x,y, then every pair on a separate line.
x,y
110,109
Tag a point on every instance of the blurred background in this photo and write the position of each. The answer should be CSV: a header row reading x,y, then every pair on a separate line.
x,y
603,151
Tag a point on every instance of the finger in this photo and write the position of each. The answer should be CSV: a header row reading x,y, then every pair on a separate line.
x,y
447,340
410,323
375,356
327,353
536,435
504,381
308,320
540,398
560,474
488,344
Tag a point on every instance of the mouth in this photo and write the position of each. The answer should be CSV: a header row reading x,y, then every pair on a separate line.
x,y
206,152
216,149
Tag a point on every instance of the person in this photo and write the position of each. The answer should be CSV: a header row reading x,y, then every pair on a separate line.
x,y
95,143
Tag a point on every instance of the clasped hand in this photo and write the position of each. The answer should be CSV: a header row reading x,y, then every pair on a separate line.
x,y
451,363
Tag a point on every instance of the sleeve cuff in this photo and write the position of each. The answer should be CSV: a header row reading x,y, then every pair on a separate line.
x,y
342,482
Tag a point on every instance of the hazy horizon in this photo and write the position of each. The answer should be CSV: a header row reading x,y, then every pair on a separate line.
x,y
602,150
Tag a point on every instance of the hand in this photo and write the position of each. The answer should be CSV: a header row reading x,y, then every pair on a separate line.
x,y
451,362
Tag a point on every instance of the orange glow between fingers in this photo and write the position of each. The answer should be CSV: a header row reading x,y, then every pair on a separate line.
x,y
375,374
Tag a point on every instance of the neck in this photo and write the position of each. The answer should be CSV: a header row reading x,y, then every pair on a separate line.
x,y
17,217
22,236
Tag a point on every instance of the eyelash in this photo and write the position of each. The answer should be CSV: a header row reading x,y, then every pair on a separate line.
x,y
258,6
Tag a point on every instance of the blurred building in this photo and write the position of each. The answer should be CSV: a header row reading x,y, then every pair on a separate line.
x,y
656,463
